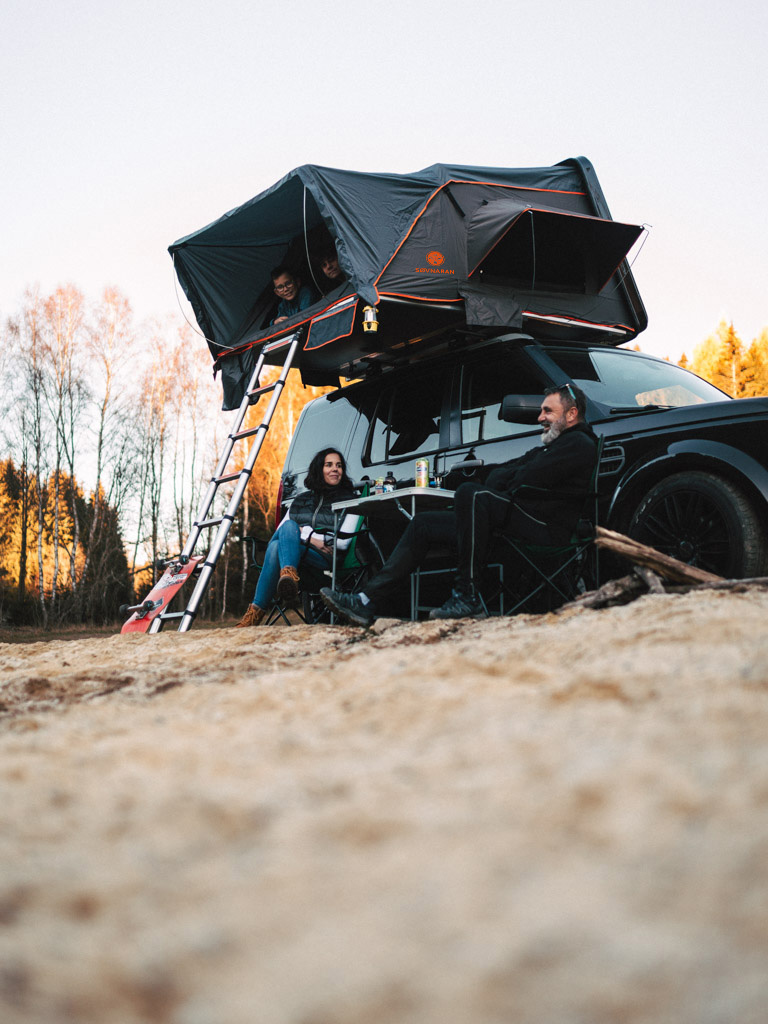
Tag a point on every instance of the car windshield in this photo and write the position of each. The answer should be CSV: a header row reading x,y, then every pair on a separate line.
x,y
629,381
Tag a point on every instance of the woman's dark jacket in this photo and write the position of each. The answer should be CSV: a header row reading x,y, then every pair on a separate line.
x,y
313,508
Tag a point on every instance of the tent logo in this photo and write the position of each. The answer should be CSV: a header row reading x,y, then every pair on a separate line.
x,y
435,259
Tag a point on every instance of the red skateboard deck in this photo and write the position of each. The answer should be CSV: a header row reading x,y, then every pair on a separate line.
x,y
160,596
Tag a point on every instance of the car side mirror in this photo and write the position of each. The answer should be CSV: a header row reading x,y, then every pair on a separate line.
x,y
521,408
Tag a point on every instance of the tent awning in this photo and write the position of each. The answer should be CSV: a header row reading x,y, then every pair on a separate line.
x,y
536,248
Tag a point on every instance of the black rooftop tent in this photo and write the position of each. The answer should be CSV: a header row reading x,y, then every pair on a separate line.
x,y
445,249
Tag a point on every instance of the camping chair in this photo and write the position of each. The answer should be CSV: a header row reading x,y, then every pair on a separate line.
x,y
356,565
555,573
492,591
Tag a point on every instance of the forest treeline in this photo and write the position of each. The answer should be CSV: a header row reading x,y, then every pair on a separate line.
x,y
727,362
111,433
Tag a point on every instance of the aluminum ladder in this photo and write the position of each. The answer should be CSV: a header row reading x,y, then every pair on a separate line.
x,y
220,476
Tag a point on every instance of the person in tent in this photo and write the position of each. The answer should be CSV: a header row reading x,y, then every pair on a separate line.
x,y
293,295
329,264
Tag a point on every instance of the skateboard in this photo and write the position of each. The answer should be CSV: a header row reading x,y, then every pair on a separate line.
x,y
176,574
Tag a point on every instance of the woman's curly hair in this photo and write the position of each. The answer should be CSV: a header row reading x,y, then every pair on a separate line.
x,y
314,480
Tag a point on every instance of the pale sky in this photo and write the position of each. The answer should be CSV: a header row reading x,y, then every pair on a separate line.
x,y
127,125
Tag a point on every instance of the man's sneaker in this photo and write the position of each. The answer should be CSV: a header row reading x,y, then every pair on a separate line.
x,y
348,606
459,606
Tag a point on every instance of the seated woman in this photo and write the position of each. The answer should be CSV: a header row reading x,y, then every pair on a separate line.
x,y
304,535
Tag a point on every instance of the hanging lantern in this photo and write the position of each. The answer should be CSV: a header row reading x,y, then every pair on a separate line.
x,y
370,320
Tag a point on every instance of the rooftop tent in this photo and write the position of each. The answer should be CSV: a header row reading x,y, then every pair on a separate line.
x,y
442,248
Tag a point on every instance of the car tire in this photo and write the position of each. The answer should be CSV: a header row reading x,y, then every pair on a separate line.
x,y
705,521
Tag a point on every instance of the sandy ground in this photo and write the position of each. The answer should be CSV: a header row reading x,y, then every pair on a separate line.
x,y
552,819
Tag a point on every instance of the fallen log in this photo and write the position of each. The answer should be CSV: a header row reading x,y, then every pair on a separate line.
x,y
649,565
650,579
614,592
640,554
644,581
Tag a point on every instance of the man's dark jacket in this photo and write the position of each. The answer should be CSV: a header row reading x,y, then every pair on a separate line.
x,y
562,469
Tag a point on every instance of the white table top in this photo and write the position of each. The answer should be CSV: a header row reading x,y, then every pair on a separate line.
x,y
430,493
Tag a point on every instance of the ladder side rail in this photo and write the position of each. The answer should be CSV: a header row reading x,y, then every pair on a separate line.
x,y
245,474
213,486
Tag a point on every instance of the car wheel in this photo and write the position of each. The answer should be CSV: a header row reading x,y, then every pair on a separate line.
x,y
702,520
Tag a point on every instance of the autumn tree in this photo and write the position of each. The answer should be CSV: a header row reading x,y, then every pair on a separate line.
x,y
45,426
66,394
756,373
27,424
111,348
724,361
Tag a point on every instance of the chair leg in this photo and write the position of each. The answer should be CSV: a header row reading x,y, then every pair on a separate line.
x,y
559,584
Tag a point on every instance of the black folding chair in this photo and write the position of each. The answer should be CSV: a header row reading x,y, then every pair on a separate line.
x,y
357,563
554,574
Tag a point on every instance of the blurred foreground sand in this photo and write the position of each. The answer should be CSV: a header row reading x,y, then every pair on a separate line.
x,y
550,819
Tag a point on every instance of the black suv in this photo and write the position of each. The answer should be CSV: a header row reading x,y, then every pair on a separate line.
x,y
684,467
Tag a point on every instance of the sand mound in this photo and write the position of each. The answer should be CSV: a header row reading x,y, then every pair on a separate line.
x,y
549,819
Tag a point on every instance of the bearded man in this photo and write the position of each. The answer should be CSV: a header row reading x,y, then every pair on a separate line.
x,y
560,471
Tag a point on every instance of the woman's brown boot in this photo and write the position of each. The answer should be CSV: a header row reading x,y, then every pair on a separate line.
x,y
288,586
252,617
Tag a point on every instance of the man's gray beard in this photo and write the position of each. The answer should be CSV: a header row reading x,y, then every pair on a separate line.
x,y
554,431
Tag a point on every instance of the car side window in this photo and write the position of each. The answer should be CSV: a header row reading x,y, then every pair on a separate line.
x,y
485,383
323,423
408,417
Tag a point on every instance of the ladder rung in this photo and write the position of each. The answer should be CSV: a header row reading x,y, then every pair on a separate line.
x,y
226,479
170,615
246,433
210,522
262,389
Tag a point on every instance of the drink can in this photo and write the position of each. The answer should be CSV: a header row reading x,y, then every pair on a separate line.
x,y
422,472
378,485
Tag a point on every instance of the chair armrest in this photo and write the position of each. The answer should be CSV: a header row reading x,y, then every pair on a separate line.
x,y
254,545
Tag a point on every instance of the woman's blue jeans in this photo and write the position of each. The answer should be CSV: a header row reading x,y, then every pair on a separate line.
x,y
285,548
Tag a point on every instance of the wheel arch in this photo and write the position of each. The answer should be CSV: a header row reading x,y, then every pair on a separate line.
x,y
714,457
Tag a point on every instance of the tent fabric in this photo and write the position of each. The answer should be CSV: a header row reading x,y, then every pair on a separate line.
x,y
562,251
438,236
335,323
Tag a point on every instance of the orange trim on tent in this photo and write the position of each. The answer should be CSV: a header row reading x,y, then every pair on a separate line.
x,y
334,311
330,341
419,298
574,320
276,334
462,181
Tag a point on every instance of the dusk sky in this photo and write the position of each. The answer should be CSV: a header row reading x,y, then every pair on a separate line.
x,y
128,125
